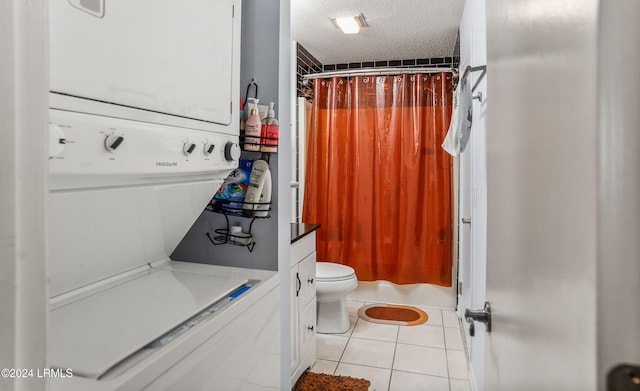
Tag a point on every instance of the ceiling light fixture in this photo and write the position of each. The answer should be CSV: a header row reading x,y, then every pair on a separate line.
x,y
350,24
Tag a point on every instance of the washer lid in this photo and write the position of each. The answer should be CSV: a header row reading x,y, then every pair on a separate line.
x,y
94,333
333,271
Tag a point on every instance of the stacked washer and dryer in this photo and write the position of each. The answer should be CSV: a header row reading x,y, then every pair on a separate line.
x,y
143,131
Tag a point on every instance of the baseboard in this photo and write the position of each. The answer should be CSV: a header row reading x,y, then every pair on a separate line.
x,y
420,295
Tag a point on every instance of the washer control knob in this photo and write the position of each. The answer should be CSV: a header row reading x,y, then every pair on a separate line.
x,y
231,151
188,148
208,149
57,140
112,142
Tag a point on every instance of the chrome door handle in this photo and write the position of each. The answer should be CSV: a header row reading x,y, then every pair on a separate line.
x,y
466,221
483,316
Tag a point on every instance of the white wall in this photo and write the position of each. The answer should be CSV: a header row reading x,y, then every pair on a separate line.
x,y
473,52
23,168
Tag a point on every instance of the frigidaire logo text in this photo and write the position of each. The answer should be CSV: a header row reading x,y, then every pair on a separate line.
x,y
167,164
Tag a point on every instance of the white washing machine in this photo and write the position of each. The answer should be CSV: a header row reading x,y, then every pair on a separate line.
x,y
143,130
123,315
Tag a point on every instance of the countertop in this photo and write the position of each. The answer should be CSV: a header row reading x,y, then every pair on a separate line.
x,y
300,230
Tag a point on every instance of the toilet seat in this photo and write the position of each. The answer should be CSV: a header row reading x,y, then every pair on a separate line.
x,y
328,271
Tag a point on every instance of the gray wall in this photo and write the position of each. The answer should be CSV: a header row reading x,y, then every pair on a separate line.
x,y
259,60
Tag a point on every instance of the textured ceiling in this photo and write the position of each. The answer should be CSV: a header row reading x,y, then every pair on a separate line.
x,y
398,29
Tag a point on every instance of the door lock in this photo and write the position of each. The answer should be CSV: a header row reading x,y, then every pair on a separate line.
x,y
483,316
466,221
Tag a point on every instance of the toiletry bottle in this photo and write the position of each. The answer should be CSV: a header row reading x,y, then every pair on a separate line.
x,y
259,172
265,196
270,132
252,129
251,103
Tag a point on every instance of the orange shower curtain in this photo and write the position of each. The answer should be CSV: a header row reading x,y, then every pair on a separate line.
x,y
377,179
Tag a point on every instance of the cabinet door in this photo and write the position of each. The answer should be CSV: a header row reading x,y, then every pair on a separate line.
x,y
307,270
307,332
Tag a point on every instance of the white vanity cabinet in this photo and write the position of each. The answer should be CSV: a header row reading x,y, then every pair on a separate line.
x,y
303,305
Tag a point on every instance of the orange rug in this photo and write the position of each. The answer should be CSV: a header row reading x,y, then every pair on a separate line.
x,y
310,381
393,314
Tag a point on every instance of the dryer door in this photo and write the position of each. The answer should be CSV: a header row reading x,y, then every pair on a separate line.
x,y
168,57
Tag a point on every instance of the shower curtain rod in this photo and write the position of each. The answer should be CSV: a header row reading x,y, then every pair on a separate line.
x,y
377,72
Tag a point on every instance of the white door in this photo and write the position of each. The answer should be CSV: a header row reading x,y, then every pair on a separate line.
x,y
464,232
542,165
473,175
619,201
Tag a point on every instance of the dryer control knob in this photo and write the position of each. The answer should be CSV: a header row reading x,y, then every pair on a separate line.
x,y
231,151
57,140
112,142
208,149
188,148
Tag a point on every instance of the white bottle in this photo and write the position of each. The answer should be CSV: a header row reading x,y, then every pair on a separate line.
x,y
252,103
271,115
257,178
265,197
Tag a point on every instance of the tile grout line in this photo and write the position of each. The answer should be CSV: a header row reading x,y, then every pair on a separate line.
x,y
393,359
345,345
446,352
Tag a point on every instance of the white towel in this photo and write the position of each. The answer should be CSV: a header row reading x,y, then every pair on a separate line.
x,y
465,116
461,117
450,143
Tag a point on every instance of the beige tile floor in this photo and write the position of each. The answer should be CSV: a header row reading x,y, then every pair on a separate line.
x,y
398,358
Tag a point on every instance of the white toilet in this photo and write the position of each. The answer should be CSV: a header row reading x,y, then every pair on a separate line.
x,y
333,283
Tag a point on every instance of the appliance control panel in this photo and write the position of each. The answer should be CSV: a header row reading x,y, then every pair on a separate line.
x,y
87,151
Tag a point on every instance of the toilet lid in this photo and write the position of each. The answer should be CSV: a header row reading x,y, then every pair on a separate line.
x,y
333,271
